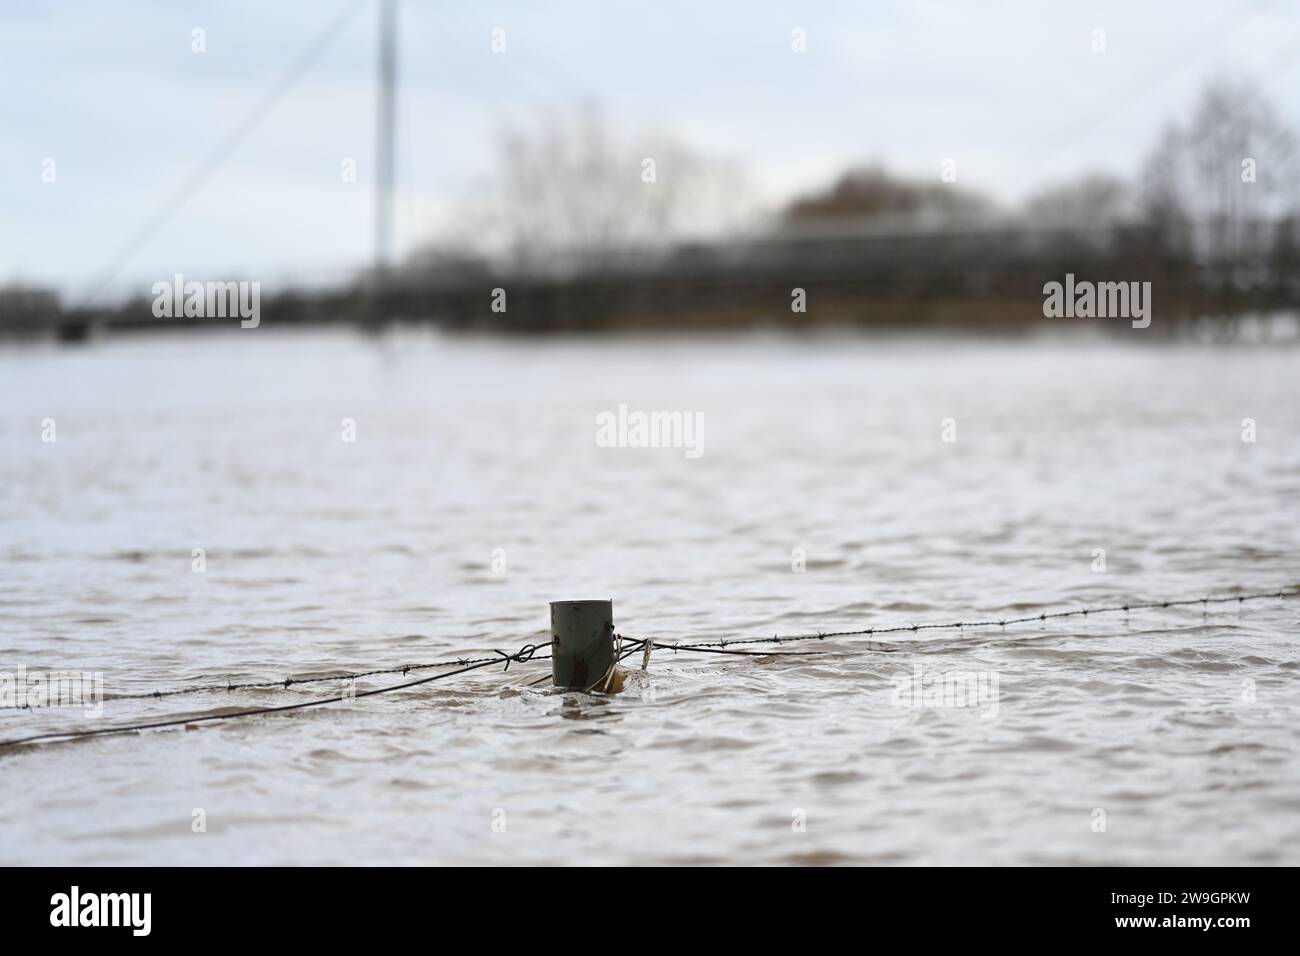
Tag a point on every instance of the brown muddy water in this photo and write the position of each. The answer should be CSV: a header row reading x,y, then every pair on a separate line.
x,y
476,491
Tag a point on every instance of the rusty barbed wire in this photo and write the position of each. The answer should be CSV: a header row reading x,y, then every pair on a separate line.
x,y
721,644
525,653
631,645
286,682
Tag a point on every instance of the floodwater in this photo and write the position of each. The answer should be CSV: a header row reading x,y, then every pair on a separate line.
x,y
476,491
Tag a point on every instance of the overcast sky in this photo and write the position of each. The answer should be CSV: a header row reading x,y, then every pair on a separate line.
x,y
112,92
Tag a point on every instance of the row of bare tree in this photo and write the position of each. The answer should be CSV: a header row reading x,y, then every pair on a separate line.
x,y
1219,187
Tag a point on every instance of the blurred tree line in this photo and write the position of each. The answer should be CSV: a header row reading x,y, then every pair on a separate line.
x,y
1211,217
1220,188
1215,202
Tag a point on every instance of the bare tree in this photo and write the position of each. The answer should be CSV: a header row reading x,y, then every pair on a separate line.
x,y
1088,204
570,190
1225,177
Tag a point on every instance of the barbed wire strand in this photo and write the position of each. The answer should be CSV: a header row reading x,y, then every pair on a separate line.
x,y
403,669
287,682
525,653
528,652
721,646
961,625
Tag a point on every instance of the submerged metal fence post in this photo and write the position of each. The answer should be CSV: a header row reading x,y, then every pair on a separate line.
x,y
582,642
